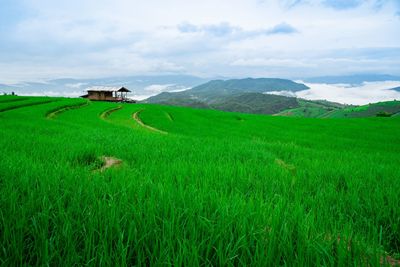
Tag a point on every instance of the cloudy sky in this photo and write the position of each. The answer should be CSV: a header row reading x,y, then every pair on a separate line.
x,y
42,39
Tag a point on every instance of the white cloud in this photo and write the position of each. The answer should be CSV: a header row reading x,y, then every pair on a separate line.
x,y
259,62
96,38
75,85
138,97
52,93
344,93
283,93
158,88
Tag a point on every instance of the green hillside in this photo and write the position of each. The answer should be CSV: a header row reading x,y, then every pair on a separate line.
x,y
230,93
256,103
110,184
248,96
388,108
312,109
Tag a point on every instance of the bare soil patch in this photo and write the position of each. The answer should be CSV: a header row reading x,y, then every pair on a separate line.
x,y
109,162
289,167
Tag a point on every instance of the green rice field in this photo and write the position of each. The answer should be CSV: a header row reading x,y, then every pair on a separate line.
x,y
111,184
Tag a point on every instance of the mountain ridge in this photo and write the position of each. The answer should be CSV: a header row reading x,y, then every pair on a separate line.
x,y
216,90
253,96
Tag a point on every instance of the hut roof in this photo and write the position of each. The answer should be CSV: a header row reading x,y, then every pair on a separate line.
x,y
123,89
107,89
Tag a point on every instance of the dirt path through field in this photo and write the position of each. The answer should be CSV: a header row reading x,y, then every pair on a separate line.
x,y
108,112
57,112
140,122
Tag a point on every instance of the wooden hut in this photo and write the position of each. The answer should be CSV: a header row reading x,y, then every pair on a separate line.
x,y
114,94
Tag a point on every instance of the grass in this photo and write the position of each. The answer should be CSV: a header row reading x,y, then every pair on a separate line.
x,y
220,189
78,103
9,104
11,98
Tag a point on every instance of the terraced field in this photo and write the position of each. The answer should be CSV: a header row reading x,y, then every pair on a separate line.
x,y
325,110
95,183
390,107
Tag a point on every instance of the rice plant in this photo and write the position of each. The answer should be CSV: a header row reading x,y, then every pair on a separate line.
x,y
219,189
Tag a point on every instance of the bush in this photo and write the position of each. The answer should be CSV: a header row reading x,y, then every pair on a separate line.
x,y
383,114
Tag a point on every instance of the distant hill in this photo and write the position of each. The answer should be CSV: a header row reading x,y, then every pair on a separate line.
x,y
251,96
352,79
5,88
242,95
248,96
217,88
396,89
143,85
258,85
